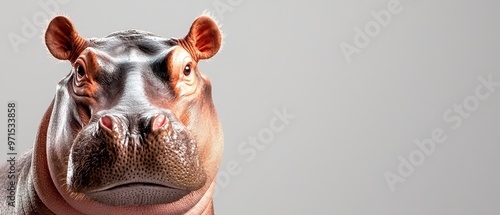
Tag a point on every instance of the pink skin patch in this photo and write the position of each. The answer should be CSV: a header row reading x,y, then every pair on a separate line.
x,y
159,121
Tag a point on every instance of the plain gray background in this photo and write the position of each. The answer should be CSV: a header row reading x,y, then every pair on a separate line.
x,y
352,121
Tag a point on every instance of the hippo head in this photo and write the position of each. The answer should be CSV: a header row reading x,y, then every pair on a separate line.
x,y
133,126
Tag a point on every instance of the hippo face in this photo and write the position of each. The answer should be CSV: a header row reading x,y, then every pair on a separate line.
x,y
133,123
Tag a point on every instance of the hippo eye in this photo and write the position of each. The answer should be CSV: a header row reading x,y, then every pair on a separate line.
x,y
187,70
80,71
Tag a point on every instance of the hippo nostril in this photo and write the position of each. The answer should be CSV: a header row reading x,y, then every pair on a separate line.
x,y
106,122
159,121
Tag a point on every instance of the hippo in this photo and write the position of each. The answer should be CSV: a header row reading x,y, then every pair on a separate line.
x,y
132,128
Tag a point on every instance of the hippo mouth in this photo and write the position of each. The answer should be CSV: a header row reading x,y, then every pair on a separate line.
x,y
115,168
137,193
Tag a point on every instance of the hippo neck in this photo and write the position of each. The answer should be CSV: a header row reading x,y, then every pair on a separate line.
x,y
42,182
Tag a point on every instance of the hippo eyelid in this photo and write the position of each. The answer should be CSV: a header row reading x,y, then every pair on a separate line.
x,y
80,72
187,69
187,61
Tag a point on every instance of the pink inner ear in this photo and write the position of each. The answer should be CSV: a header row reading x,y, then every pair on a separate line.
x,y
62,40
207,37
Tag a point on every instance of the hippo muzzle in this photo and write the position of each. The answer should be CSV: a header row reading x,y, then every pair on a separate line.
x,y
117,157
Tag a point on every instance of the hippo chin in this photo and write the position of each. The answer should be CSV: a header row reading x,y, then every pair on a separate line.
x,y
132,128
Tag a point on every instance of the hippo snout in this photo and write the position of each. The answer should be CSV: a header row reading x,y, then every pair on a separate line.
x,y
116,156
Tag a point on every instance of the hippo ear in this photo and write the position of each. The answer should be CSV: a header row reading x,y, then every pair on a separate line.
x,y
205,37
62,40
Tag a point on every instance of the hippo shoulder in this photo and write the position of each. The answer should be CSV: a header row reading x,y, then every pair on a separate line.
x,y
19,194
